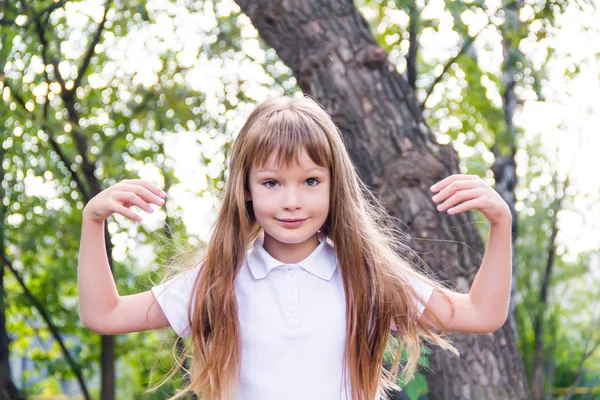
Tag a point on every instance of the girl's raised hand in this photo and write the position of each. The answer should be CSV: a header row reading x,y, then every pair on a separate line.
x,y
122,195
473,193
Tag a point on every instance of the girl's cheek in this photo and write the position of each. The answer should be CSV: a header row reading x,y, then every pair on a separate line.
x,y
266,203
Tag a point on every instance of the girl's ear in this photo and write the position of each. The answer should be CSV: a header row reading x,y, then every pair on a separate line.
x,y
247,196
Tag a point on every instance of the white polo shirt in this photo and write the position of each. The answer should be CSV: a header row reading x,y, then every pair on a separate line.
x,y
292,323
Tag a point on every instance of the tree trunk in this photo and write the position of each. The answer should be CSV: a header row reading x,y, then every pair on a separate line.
x,y
335,59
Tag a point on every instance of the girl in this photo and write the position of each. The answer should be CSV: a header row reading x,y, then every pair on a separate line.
x,y
304,284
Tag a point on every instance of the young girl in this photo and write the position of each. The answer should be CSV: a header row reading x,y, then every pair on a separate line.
x,y
305,283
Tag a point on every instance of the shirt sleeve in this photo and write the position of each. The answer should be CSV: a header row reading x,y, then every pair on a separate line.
x,y
423,290
174,297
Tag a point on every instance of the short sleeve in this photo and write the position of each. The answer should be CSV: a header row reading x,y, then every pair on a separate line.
x,y
423,289
174,297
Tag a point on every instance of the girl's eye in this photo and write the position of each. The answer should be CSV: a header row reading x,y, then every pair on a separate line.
x,y
312,179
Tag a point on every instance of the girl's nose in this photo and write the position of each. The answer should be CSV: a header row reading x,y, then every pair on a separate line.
x,y
291,199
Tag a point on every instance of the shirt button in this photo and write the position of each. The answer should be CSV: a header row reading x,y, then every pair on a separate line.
x,y
293,291
292,309
292,274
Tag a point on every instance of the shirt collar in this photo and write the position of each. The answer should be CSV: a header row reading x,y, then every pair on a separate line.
x,y
321,262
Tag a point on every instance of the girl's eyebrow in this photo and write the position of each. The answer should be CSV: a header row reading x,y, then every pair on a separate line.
x,y
306,170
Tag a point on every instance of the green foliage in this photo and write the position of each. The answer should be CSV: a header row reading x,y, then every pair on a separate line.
x,y
125,115
567,317
200,87
417,386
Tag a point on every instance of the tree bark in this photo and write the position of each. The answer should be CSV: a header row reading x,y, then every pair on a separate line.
x,y
335,59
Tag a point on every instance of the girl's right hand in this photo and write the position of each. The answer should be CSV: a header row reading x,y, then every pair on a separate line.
x,y
122,195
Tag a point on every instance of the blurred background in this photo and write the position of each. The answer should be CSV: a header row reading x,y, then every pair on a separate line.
x,y
94,92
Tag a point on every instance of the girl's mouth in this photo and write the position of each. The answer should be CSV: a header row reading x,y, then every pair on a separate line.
x,y
291,223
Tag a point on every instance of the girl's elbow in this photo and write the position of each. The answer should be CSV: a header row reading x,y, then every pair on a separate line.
x,y
487,325
91,325
495,324
87,324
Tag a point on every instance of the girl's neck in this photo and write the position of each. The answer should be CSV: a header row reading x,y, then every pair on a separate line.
x,y
290,253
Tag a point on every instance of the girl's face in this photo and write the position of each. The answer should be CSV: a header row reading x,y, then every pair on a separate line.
x,y
299,192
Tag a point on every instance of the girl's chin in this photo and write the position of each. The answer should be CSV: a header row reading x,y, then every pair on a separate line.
x,y
291,236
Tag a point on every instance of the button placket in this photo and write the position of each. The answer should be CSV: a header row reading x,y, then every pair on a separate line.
x,y
293,311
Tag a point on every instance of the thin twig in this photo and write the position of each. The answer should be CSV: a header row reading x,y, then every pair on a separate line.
x,y
75,368
470,40
90,51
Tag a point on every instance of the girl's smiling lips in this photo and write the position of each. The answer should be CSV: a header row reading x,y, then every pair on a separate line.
x,y
291,223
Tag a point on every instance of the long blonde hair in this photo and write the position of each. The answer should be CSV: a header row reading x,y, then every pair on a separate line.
x,y
372,255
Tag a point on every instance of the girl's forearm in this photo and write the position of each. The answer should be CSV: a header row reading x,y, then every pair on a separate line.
x,y
490,292
96,286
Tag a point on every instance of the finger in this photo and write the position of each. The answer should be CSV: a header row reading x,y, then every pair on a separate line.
x,y
453,188
467,205
150,186
126,212
145,193
461,196
449,179
133,199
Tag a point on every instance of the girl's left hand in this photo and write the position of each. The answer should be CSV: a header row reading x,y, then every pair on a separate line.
x,y
473,193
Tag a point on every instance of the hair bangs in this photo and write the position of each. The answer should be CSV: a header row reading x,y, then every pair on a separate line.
x,y
286,132
373,256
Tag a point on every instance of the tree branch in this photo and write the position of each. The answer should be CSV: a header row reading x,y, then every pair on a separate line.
x,y
37,16
90,51
54,144
57,74
41,32
447,66
411,58
68,163
537,382
17,96
75,368
108,145
586,354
